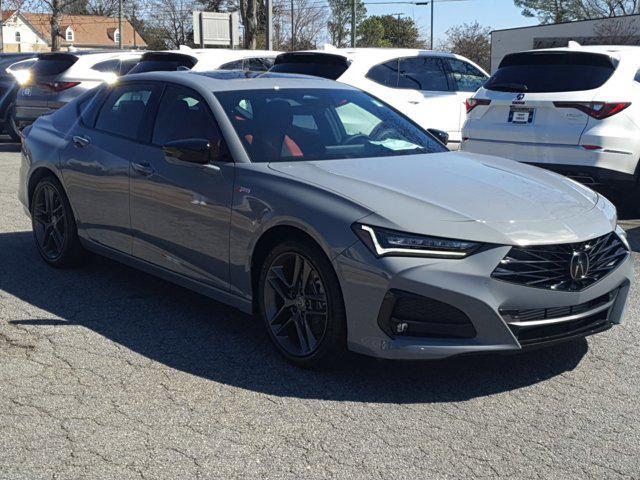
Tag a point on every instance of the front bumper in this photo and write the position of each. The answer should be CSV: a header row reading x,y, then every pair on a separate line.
x,y
466,284
591,167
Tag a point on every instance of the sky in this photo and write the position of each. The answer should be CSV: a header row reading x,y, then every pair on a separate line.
x,y
496,14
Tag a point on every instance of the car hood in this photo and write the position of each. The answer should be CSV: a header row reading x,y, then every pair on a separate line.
x,y
463,195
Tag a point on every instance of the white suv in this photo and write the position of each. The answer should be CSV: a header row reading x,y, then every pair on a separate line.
x,y
205,59
429,87
573,110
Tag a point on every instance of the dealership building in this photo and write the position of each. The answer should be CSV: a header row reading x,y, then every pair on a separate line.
x,y
608,31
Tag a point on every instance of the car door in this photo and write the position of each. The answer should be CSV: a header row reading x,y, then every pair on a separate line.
x,y
180,211
96,161
466,80
428,96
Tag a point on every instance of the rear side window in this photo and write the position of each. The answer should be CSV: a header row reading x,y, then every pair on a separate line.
x,y
551,72
163,62
385,74
184,114
235,65
467,78
423,73
127,65
124,110
53,65
318,65
258,64
112,66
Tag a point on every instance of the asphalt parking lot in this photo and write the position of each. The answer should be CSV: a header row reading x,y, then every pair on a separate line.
x,y
106,372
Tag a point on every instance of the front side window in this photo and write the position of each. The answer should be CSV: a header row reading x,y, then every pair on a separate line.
x,y
183,114
258,64
423,73
320,124
466,77
385,74
123,112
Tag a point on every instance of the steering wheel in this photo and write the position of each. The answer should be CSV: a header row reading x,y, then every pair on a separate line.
x,y
357,138
381,131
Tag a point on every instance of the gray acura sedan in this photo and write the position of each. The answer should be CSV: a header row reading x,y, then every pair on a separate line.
x,y
337,220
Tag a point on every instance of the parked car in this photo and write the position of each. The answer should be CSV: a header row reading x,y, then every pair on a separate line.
x,y
572,110
429,87
261,193
9,88
57,78
205,59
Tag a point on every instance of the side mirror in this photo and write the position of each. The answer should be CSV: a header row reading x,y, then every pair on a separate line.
x,y
442,137
192,150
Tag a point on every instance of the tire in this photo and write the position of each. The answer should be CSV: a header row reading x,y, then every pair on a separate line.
x,y
54,225
11,127
292,309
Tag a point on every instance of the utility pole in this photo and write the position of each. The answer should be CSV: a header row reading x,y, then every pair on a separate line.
x,y
1,28
293,29
120,32
353,23
268,7
430,3
431,41
133,24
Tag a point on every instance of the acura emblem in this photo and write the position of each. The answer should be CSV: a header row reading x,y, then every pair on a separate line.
x,y
520,96
579,266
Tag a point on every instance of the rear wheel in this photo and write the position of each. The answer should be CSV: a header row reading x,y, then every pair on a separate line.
x,y
301,303
54,226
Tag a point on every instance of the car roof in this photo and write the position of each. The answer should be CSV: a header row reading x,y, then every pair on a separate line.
x,y
616,51
214,82
221,53
376,55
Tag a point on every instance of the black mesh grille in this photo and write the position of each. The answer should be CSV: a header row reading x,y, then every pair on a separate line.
x,y
549,266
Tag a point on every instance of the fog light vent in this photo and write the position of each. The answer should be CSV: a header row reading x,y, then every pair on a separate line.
x,y
407,314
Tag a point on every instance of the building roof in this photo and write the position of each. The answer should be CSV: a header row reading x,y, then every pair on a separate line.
x,y
88,30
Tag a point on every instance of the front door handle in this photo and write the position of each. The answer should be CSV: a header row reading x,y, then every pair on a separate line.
x,y
142,168
81,142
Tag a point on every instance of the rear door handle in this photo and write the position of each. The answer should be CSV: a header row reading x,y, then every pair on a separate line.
x,y
142,168
81,142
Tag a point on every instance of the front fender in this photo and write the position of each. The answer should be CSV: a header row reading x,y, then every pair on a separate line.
x,y
264,199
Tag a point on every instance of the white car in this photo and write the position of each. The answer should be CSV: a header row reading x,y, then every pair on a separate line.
x,y
429,87
573,110
204,59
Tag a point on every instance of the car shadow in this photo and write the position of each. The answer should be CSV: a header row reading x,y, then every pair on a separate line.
x,y
196,335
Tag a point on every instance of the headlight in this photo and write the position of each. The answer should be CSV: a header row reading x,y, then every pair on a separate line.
x,y
622,235
383,242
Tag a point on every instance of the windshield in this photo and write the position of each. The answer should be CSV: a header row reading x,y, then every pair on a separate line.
x,y
321,124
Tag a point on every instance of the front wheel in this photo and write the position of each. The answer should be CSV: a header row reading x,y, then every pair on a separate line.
x,y
301,303
54,226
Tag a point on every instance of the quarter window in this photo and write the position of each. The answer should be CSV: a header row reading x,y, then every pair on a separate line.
x,y
184,114
124,111
112,66
423,73
467,77
637,77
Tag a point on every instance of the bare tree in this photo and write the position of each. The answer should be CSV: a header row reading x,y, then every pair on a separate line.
x,y
56,8
171,20
617,32
470,40
308,26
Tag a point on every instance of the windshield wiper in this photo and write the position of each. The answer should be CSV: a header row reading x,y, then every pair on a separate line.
x,y
508,87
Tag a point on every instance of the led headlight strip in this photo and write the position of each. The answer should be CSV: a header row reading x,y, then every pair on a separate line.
x,y
385,242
